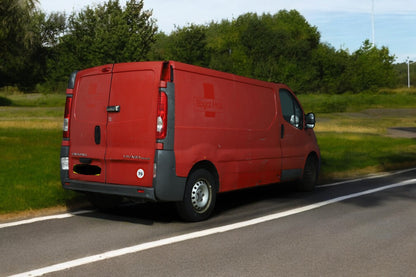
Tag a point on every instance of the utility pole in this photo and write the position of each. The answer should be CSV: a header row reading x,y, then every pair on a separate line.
x,y
372,24
408,72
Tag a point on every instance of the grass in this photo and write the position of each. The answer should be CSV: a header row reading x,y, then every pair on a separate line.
x,y
323,103
356,141
30,139
352,132
29,169
355,154
37,100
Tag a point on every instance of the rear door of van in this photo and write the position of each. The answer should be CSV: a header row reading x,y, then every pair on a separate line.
x,y
88,124
131,124
113,127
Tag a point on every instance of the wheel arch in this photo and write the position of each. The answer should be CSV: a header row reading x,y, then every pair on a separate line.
x,y
310,173
208,165
315,156
200,192
312,155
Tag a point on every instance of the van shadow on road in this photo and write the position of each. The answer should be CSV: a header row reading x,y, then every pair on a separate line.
x,y
249,202
259,201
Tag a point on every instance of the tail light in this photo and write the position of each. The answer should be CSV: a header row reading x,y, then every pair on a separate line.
x,y
162,116
67,116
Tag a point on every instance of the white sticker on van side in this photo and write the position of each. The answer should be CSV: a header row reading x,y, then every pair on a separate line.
x,y
140,173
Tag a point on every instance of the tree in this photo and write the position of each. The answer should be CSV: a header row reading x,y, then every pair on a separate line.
x,y
160,49
18,44
189,45
103,34
371,68
141,30
403,72
275,48
225,50
332,69
49,28
36,47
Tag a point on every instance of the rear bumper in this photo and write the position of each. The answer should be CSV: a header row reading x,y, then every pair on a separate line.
x,y
122,190
166,186
84,186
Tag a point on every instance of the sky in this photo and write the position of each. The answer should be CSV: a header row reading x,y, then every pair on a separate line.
x,y
344,24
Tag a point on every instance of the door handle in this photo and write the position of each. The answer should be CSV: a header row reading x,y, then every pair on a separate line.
x,y
282,131
113,109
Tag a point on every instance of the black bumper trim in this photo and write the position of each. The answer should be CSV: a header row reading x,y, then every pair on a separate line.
x,y
122,190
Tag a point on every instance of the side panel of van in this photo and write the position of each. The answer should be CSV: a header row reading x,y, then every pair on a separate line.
x,y
231,122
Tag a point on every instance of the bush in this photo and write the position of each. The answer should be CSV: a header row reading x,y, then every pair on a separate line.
x,y
5,101
334,104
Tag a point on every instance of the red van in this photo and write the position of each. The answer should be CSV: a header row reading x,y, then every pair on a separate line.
x,y
168,131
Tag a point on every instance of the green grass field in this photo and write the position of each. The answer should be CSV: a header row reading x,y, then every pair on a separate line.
x,y
29,169
352,132
30,138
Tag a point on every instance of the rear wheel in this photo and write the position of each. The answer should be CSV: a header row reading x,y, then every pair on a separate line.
x,y
310,174
200,196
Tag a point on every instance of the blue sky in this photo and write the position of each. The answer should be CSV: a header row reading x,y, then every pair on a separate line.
x,y
342,23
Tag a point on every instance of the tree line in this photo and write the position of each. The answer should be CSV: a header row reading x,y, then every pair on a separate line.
x,y
39,50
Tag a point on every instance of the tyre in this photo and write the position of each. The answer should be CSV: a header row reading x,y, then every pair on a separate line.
x,y
310,175
104,202
200,196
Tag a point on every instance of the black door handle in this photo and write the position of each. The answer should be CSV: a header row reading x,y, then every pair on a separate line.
x,y
282,131
113,109
97,134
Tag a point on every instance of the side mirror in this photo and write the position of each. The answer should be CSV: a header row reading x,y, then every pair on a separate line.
x,y
310,120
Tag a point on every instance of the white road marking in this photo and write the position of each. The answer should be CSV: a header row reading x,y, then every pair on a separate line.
x,y
380,175
43,218
199,234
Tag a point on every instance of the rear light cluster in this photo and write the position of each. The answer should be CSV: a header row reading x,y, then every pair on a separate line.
x,y
68,104
162,116
66,126
65,163
67,116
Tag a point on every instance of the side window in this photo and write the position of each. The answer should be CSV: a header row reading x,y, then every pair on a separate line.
x,y
291,110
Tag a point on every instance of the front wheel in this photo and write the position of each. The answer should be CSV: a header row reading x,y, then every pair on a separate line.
x,y
310,174
200,196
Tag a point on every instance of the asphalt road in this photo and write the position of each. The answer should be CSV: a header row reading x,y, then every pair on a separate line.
x,y
358,228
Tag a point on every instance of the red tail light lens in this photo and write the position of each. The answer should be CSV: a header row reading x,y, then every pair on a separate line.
x,y
67,116
162,116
